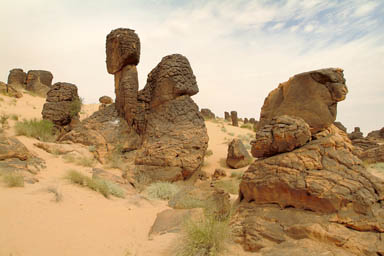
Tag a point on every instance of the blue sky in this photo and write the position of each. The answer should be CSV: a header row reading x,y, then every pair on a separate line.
x,y
239,50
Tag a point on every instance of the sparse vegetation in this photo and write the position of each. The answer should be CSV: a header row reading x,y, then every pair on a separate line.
x,y
81,160
13,179
231,134
104,187
39,129
4,121
247,126
75,107
228,185
208,153
223,129
205,237
237,175
14,117
58,195
378,166
162,190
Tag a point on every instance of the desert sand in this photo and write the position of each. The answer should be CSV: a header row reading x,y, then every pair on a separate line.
x,y
84,222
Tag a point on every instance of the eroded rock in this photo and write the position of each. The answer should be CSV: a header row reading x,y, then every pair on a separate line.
x,y
238,155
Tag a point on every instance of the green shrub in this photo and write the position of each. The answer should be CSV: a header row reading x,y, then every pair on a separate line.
x,y
75,107
104,187
13,180
162,190
247,126
39,129
205,237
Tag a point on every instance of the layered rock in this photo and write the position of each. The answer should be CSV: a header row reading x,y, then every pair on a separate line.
x,y
123,54
17,77
174,137
238,155
356,134
313,96
282,134
340,126
39,81
376,135
235,121
62,105
207,113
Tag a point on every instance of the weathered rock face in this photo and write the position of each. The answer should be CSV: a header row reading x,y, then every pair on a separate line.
x,y
340,126
313,96
15,157
235,121
175,137
282,134
227,116
207,113
106,131
105,100
238,155
39,81
376,135
373,154
324,177
122,48
17,76
356,134
10,90
63,104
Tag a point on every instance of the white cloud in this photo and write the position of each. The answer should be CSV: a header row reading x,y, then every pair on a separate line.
x,y
365,8
309,28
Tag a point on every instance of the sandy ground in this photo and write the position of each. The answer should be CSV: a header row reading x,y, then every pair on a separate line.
x,y
32,223
83,222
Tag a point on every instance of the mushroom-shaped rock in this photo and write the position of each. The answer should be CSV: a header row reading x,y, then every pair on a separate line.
x,y
105,100
282,134
122,48
313,96
238,155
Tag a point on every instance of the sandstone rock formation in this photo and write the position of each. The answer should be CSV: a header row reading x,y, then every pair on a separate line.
x,y
207,113
282,134
313,96
252,120
17,77
227,116
15,157
235,121
218,174
123,54
105,100
373,154
238,155
340,126
63,104
246,120
174,137
376,135
39,81
356,134
10,90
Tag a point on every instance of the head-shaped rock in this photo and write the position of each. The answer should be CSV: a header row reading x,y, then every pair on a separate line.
x,y
122,48
334,80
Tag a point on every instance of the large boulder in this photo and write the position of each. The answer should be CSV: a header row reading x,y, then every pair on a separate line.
x,y
174,136
238,155
17,77
62,105
122,49
235,121
324,193
39,81
313,96
207,113
282,134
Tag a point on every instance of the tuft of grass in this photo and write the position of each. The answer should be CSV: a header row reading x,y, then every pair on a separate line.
x,y
14,117
13,180
4,121
104,187
208,153
223,129
82,160
247,126
39,129
237,175
58,195
205,237
75,107
230,186
162,190
378,166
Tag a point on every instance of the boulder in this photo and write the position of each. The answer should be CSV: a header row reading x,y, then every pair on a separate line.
x,y
207,113
227,116
62,104
313,96
282,134
105,100
174,135
17,77
320,192
246,120
238,155
340,126
122,49
39,81
235,121
252,120
218,174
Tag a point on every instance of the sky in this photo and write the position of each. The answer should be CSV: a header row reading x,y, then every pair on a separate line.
x,y
239,50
